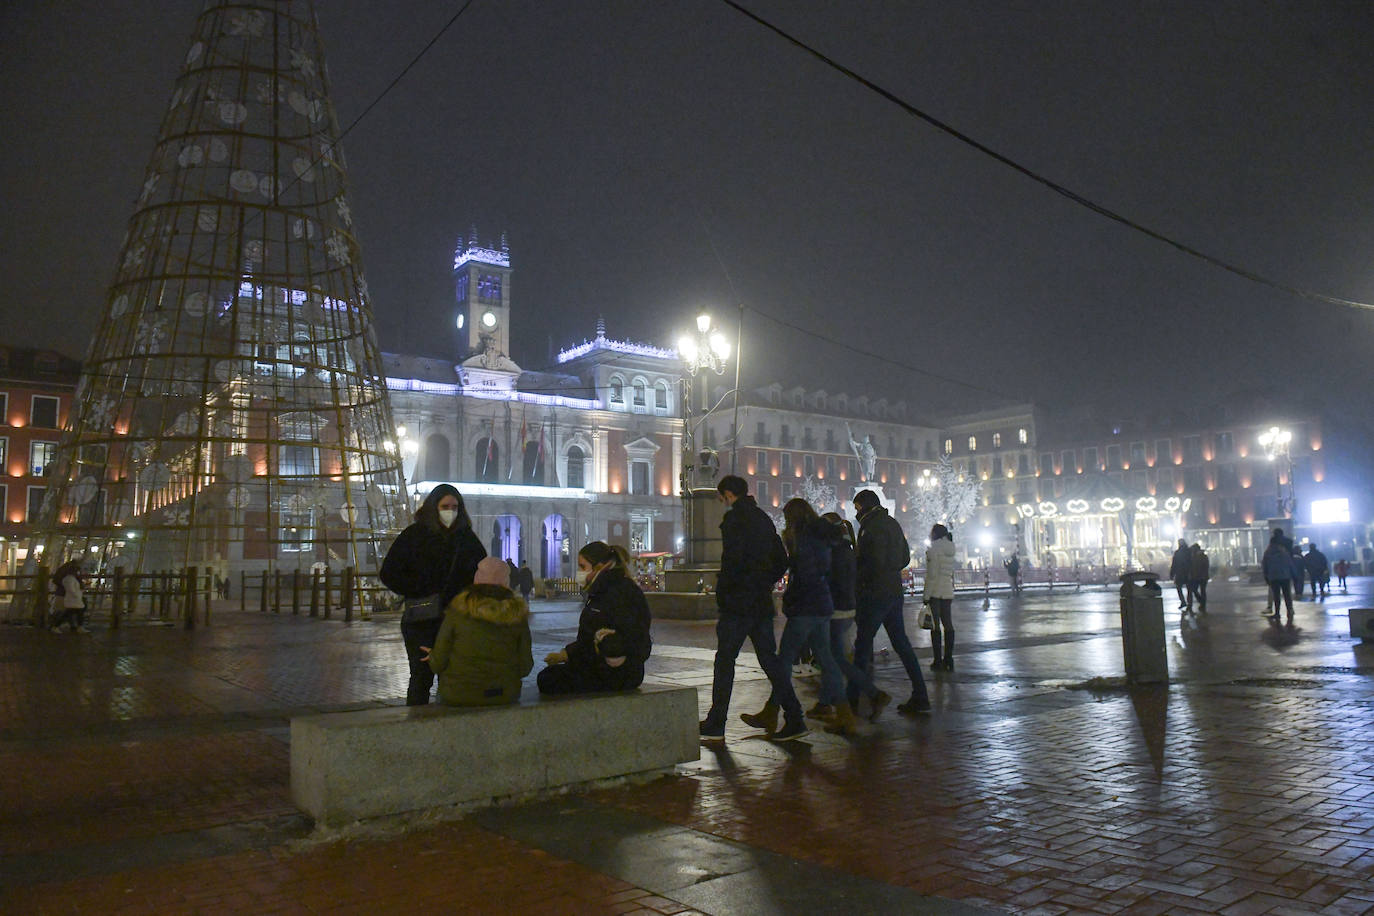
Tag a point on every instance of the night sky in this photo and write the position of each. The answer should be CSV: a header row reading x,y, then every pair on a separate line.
x,y
650,159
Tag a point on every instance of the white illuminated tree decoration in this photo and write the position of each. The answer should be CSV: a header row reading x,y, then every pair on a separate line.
x,y
821,496
942,495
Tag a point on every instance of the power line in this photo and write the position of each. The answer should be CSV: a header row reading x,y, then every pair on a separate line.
x,y
1054,186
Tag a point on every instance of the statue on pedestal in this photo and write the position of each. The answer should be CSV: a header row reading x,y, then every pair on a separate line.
x,y
865,453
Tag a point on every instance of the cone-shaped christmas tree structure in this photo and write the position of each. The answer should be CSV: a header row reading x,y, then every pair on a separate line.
x,y
232,410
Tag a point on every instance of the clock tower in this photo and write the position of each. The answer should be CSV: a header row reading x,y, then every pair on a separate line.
x,y
481,278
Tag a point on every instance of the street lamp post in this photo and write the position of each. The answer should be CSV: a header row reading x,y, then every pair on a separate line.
x,y
1275,443
704,352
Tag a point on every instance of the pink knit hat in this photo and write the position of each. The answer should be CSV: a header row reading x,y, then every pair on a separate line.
x,y
492,571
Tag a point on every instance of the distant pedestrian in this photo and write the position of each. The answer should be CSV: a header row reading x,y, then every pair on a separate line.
x,y
432,560
1299,565
1179,568
68,582
882,554
1318,570
939,596
1199,571
613,640
752,560
1342,568
483,650
1277,565
524,580
1013,568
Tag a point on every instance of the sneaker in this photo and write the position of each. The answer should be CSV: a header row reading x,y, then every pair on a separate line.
x,y
880,701
790,732
912,708
711,732
820,711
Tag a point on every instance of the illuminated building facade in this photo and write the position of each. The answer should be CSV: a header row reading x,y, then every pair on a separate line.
x,y
36,388
546,460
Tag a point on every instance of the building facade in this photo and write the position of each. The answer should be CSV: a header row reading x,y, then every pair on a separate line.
x,y
546,460
36,389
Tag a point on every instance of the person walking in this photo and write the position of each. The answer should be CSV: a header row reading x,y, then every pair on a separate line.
x,y
1342,569
752,560
1013,568
524,580
432,560
1277,566
807,604
939,596
68,581
1179,569
842,574
1199,571
881,555
483,650
1299,570
613,640
1318,570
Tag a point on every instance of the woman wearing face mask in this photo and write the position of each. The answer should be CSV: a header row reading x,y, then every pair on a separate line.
x,y
432,560
612,634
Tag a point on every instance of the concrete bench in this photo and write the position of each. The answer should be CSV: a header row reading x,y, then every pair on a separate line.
x,y
1362,623
347,766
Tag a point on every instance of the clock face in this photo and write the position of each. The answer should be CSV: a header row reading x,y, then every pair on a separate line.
x,y
461,320
489,319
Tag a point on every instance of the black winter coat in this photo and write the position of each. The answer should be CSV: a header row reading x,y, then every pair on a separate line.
x,y
882,555
749,549
808,571
613,602
842,574
424,561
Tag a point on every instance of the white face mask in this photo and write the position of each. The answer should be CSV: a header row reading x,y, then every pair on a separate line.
x,y
580,577
446,517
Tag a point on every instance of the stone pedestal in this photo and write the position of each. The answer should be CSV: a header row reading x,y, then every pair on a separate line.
x,y
887,502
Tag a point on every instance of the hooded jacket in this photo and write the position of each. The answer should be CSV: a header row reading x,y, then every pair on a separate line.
x,y
483,649
749,551
1277,563
882,555
940,570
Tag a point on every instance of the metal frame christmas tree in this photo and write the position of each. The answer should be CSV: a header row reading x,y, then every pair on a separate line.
x,y
232,408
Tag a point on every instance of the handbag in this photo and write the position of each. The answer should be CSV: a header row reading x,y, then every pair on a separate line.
x,y
927,620
423,610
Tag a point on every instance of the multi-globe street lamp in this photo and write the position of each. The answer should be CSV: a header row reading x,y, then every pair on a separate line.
x,y
704,352
1276,442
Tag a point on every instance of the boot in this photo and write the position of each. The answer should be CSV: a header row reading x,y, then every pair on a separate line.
x,y
844,722
766,718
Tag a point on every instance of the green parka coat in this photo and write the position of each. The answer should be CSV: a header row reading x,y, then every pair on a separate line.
x,y
483,649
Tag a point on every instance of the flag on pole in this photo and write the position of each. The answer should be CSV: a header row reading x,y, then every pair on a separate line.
x,y
539,455
522,445
491,443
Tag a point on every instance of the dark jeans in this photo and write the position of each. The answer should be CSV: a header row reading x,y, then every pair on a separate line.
x,y
939,611
840,653
415,635
1198,590
731,632
886,613
1178,587
1284,587
72,616
798,632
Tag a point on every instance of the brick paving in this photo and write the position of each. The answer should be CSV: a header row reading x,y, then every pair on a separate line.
x,y
145,770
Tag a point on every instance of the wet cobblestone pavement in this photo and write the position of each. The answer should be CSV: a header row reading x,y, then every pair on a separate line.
x,y
146,770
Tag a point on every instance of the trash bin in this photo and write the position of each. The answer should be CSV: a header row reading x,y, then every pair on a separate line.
x,y
1142,628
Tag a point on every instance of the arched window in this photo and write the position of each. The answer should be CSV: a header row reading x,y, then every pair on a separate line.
x,y
641,394
436,461
617,391
661,396
576,461
487,460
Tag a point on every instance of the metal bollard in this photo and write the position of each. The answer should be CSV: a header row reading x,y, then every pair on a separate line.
x,y
347,597
296,592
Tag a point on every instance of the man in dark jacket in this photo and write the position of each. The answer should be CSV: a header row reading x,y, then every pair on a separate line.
x,y
1318,570
1180,567
881,556
752,560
